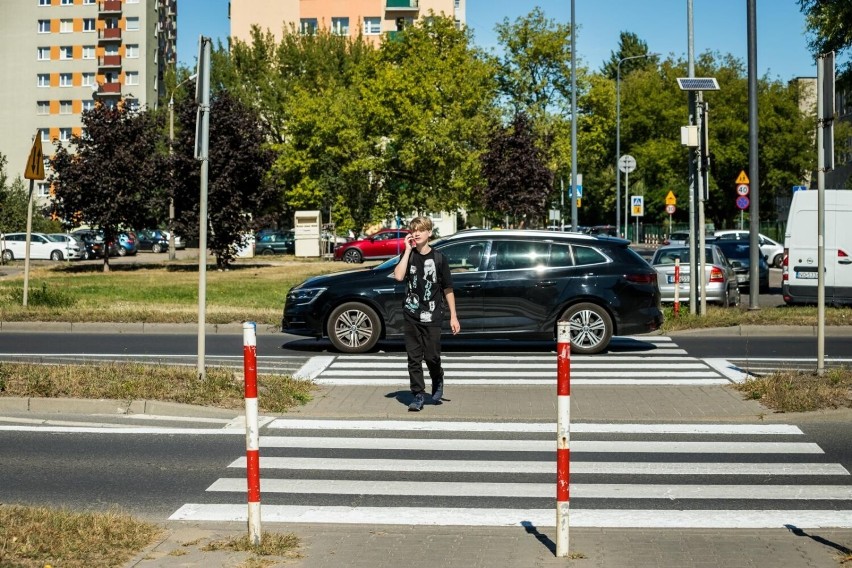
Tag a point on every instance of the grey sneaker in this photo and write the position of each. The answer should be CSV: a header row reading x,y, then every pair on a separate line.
x,y
438,394
417,403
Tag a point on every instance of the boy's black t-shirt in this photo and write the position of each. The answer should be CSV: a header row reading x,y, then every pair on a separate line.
x,y
425,282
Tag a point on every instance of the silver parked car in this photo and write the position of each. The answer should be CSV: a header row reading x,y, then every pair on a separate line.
x,y
721,279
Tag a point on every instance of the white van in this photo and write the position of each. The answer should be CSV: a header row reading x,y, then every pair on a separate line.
x,y
799,277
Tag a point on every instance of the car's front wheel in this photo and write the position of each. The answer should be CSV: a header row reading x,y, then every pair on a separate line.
x,y
354,328
590,328
8,256
156,248
267,252
122,251
56,255
352,255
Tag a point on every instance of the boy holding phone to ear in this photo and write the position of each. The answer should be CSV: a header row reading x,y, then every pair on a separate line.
x,y
427,276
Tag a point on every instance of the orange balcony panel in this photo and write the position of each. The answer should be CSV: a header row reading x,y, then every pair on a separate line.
x,y
110,33
110,6
110,89
110,61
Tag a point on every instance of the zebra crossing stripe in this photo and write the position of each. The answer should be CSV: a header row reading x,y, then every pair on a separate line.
x,y
535,427
532,467
697,381
593,518
540,490
577,446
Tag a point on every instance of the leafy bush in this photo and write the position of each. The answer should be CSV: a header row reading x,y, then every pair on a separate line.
x,y
49,298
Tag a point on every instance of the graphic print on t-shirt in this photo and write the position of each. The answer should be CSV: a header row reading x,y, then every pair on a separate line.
x,y
422,308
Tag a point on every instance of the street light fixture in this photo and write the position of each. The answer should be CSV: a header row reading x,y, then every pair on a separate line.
x,y
618,136
171,151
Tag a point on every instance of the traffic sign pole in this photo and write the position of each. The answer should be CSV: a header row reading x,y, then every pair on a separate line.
x,y
32,171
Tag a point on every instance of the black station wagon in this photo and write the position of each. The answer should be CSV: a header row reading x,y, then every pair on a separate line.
x,y
507,284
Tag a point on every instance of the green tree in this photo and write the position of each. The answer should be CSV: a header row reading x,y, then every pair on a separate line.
x,y
629,45
829,23
112,177
239,193
518,181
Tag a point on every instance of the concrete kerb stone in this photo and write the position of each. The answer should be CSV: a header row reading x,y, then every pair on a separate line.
x,y
132,328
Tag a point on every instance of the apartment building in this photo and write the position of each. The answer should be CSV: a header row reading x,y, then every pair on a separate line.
x,y
61,56
372,18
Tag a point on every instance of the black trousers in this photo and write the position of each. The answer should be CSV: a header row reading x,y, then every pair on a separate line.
x,y
423,343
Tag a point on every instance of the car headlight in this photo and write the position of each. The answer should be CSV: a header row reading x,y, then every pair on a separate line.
x,y
304,295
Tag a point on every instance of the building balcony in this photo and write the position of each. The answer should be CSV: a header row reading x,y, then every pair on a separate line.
x,y
109,7
109,34
402,5
109,89
109,61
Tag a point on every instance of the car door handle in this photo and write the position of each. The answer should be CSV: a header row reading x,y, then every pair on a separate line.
x,y
472,286
845,261
546,284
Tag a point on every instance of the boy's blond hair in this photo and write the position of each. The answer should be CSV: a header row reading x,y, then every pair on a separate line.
x,y
420,224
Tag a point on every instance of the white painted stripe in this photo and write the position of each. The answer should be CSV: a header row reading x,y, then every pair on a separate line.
x,y
549,381
545,467
508,365
609,518
584,446
314,367
535,427
707,372
108,429
728,369
540,490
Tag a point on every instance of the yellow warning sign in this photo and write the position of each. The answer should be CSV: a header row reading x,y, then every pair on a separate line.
x,y
742,178
671,199
35,162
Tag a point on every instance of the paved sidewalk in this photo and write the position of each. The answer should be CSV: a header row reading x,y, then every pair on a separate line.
x,y
388,546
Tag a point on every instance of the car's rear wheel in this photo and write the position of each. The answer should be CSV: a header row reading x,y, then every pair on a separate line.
x,y
8,256
590,328
354,328
56,255
122,251
157,248
267,252
352,255
778,261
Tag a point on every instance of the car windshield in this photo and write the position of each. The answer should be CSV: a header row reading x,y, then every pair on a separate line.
x,y
735,250
668,256
56,238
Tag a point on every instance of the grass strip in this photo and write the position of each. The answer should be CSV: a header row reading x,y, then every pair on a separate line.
x,y
34,537
801,391
222,387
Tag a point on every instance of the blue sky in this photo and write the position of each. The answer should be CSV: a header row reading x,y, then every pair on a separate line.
x,y
719,25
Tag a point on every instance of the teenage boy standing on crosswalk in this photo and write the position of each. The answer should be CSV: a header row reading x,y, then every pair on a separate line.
x,y
427,276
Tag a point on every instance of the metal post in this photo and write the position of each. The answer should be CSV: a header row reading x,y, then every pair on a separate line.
x,y
29,240
820,219
252,430
573,121
626,199
563,435
700,174
753,170
693,307
203,146
677,288
171,198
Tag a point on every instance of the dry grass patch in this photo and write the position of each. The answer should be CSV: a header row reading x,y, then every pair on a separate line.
x,y
801,391
271,544
32,537
222,388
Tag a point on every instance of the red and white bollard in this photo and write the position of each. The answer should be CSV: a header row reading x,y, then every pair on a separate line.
x,y
677,288
563,434
252,430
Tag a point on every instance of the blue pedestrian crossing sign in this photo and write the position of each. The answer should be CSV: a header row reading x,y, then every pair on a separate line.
x,y
637,205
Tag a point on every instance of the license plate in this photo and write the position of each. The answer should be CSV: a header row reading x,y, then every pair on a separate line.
x,y
684,278
806,275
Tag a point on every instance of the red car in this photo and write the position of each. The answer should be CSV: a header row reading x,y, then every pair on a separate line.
x,y
381,245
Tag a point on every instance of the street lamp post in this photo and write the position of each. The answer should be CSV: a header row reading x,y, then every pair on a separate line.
x,y
618,136
171,151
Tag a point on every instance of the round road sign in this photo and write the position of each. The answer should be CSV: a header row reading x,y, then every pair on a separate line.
x,y
742,189
627,163
742,202
670,209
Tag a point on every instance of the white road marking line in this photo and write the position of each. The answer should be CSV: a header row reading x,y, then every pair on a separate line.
x,y
109,429
535,427
580,467
539,490
400,381
614,518
577,446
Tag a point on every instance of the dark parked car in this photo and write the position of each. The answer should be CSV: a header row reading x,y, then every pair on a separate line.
x,y
96,236
738,252
508,284
275,242
152,241
383,244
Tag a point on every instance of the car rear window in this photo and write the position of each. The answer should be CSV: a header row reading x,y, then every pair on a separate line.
x,y
587,255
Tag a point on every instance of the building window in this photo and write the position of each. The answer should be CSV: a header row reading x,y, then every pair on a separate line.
x,y
87,2
66,52
64,107
131,1
132,24
131,78
64,134
88,52
88,80
88,105
66,26
340,26
131,50
458,24
67,3
43,54
308,26
132,104
88,24
457,4
43,80
42,188
44,26
372,26
45,134
44,2
111,49
42,107
65,79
